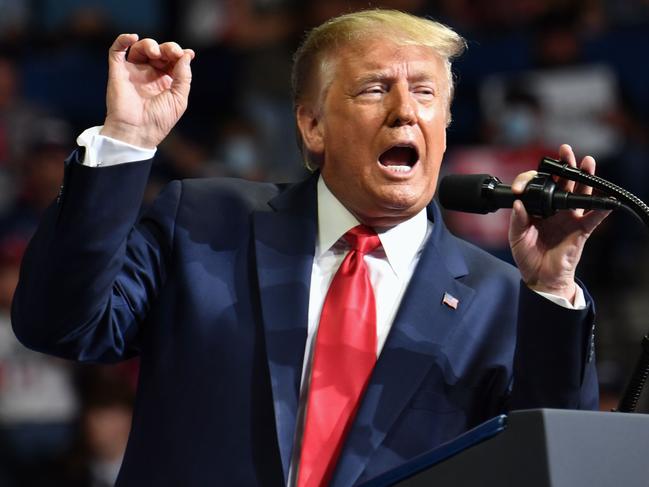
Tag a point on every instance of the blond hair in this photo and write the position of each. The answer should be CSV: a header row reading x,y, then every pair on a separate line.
x,y
310,60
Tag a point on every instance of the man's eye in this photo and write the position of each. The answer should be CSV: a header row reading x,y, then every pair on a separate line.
x,y
373,90
425,91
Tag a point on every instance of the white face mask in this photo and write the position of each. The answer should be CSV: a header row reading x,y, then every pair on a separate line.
x,y
518,126
240,153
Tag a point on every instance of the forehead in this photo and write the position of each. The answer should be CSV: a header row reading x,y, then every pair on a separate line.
x,y
387,57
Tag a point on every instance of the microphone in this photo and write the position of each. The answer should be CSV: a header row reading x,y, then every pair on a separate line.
x,y
482,193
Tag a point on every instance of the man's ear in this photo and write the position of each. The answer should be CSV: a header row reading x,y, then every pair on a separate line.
x,y
310,127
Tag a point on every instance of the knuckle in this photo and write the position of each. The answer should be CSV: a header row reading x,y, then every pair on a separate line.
x,y
173,47
148,43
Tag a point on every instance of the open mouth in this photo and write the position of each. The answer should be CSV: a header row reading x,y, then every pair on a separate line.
x,y
399,158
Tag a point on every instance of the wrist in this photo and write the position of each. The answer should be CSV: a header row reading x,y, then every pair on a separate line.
x,y
128,134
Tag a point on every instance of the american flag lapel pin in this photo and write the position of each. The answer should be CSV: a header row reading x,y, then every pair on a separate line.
x,y
450,301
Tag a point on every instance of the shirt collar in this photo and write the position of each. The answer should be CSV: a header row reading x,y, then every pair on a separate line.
x,y
400,242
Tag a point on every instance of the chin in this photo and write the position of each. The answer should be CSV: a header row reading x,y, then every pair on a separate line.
x,y
390,212
403,199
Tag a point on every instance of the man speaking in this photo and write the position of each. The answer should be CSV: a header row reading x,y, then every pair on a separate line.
x,y
310,334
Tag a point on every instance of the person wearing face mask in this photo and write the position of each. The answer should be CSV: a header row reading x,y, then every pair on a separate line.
x,y
317,333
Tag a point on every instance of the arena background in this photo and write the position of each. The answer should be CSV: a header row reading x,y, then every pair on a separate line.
x,y
536,73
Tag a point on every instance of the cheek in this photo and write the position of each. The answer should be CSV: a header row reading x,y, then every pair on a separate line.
x,y
435,135
434,116
347,151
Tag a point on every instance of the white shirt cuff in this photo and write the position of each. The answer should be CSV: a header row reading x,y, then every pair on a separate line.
x,y
106,151
580,300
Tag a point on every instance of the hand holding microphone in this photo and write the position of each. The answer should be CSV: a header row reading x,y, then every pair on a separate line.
x,y
546,250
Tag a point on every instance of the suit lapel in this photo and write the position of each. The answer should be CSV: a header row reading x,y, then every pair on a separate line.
x,y
415,342
284,248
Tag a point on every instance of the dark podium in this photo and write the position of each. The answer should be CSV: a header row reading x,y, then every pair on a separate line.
x,y
537,448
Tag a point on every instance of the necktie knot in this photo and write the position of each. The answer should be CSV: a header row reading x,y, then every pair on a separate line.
x,y
362,239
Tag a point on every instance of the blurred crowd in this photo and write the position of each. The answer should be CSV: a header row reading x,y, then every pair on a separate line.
x,y
537,73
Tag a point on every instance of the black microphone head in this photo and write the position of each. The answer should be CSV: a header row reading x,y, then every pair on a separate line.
x,y
464,192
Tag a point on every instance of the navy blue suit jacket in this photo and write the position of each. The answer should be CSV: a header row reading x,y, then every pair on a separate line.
x,y
211,290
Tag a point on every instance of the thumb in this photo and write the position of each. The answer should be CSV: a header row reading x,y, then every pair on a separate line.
x,y
182,75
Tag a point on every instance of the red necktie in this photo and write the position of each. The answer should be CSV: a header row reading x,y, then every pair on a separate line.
x,y
344,355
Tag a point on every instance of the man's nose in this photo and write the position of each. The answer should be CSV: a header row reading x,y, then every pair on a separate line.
x,y
402,108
